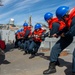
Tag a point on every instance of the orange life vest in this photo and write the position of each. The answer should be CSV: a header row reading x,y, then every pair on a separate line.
x,y
18,35
69,19
22,33
28,28
37,35
50,23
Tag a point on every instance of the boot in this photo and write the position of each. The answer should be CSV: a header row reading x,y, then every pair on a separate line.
x,y
51,68
73,73
25,53
32,56
57,63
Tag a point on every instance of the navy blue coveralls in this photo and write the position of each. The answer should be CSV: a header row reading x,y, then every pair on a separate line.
x,y
62,43
34,46
27,41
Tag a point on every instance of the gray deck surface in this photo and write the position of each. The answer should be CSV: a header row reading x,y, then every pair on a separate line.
x,y
18,64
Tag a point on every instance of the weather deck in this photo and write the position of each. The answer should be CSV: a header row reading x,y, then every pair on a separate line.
x,y
18,64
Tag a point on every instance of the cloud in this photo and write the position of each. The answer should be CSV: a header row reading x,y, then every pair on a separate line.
x,y
5,2
18,6
25,4
20,10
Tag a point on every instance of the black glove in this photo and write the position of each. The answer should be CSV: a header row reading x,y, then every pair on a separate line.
x,y
47,35
43,37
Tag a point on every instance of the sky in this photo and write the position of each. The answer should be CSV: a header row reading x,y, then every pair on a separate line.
x,y
21,10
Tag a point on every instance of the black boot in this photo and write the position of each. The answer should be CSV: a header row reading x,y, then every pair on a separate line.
x,y
73,73
32,56
51,68
25,53
57,63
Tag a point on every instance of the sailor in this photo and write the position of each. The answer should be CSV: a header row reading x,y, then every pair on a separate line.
x,y
57,28
36,36
16,39
27,35
21,42
68,16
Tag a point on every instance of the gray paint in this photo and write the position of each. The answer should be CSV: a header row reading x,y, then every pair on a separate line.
x,y
49,42
9,35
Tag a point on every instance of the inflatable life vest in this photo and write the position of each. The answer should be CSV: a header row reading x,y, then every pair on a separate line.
x,y
61,23
27,31
69,19
37,35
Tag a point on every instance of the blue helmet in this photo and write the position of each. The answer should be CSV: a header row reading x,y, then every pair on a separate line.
x,y
18,31
48,16
21,29
25,24
61,11
37,26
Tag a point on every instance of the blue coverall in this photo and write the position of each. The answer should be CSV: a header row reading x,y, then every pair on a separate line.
x,y
62,43
34,46
27,44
